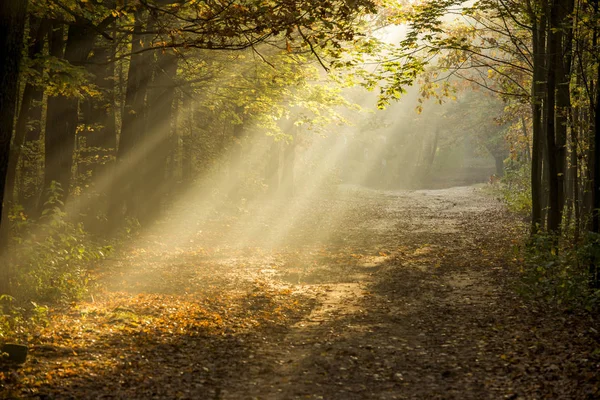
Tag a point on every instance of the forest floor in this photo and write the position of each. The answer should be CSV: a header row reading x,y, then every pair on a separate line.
x,y
361,294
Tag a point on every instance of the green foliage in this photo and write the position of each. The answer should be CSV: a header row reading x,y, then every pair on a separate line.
x,y
561,277
516,188
52,256
62,78
17,319
30,179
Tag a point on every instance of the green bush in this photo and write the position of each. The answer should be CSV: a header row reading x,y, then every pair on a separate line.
x,y
561,277
16,320
51,257
516,188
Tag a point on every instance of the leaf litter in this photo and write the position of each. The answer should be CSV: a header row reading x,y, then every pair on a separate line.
x,y
363,294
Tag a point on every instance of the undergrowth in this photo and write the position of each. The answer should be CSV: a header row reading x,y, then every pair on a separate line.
x,y
561,275
50,260
555,270
515,188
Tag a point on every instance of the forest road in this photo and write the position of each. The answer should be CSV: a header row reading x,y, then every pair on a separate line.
x,y
418,306
351,293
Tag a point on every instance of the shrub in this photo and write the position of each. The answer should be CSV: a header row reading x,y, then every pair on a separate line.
x,y
561,277
16,320
516,188
51,257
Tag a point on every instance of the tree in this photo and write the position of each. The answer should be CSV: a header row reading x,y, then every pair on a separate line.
x,y
28,125
480,116
12,26
63,109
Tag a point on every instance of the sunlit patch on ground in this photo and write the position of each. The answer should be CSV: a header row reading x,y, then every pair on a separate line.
x,y
366,310
123,342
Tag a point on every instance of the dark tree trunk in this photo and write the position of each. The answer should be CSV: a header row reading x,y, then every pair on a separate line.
x,y
538,40
596,148
527,152
555,192
62,116
63,112
595,265
12,26
572,185
588,185
30,115
545,181
586,175
161,99
99,112
564,38
499,160
126,195
30,112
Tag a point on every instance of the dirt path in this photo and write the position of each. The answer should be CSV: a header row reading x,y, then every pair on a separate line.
x,y
362,294
424,313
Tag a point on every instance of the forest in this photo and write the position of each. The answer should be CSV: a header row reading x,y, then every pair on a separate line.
x,y
285,199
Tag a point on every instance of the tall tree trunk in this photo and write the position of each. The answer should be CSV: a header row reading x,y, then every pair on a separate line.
x,y
12,27
30,114
126,195
161,99
564,38
588,185
572,174
527,143
555,191
31,108
98,113
62,115
595,111
63,112
595,264
537,89
499,162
